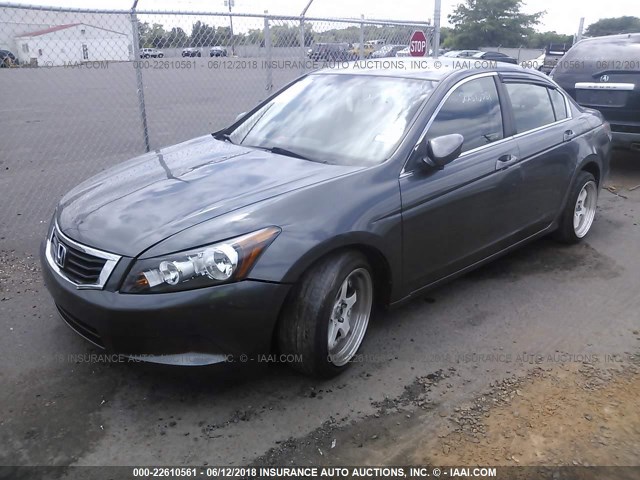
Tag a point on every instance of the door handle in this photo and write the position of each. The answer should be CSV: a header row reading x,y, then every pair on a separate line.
x,y
505,160
568,135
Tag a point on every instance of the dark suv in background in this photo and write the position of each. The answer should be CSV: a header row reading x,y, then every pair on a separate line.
x,y
604,73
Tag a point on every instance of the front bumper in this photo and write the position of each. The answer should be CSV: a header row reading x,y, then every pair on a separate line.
x,y
207,324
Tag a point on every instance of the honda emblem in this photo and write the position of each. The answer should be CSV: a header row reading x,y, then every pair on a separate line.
x,y
60,254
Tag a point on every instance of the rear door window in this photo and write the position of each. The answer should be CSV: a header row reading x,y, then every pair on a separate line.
x,y
531,106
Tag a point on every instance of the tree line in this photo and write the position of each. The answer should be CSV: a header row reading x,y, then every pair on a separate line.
x,y
287,35
476,23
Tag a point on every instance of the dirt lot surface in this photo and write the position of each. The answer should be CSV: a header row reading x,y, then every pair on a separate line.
x,y
549,332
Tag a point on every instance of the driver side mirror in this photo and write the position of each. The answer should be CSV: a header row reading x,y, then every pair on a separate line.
x,y
439,151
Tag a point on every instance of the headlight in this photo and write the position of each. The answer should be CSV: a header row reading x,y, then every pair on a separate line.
x,y
223,262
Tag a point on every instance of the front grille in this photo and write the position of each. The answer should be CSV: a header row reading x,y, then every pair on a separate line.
x,y
80,267
81,328
85,267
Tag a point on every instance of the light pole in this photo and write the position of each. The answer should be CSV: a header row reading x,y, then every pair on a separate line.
x,y
580,30
436,29
231,3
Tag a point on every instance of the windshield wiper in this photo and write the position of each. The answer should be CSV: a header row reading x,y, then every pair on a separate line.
x,y
225,137
290,153
284,151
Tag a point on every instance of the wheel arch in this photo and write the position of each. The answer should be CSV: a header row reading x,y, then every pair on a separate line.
x,y
366,244
591,165
382,273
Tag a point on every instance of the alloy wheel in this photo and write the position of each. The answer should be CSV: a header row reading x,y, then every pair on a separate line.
x,y
585,209
350,316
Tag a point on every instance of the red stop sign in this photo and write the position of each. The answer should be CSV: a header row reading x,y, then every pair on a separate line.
x,y
418,44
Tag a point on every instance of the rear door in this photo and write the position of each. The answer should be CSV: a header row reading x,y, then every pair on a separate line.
x,y
545,133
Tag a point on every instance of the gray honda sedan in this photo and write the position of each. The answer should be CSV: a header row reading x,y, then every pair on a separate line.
x,y
345,190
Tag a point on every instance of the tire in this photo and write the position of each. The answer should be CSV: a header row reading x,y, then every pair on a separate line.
x,y
161,55
317,308
575,226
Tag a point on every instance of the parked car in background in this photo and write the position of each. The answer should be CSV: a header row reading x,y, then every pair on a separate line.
x,y
536,63
234,243
551,55
495,57
354,51
405,52
7,59
330,52
218,52
151,53
462,53
191,52
604,73
388,51
377,44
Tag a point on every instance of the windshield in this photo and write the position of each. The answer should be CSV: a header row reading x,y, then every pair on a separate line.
x,y
337,118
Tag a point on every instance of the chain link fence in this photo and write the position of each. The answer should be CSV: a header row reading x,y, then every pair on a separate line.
x,y
85,89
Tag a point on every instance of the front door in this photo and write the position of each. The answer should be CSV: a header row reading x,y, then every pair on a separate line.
x,y
463,213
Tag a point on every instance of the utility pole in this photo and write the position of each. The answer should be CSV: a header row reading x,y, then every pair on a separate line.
x,y
231,3
139,83
303,53
436,28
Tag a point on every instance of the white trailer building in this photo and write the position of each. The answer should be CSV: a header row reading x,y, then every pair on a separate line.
x,y
71,44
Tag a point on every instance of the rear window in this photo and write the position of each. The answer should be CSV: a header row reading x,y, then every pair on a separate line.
x,y
611,53
559,105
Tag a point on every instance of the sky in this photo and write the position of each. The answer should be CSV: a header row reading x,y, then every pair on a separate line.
x,y
562,16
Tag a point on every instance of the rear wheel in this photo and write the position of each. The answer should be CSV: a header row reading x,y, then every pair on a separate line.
x,y
580,211
326,319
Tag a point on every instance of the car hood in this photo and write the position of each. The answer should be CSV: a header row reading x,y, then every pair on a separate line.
x,y
129,208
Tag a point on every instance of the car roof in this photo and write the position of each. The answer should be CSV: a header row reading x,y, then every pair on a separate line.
x,y
424,68
608,38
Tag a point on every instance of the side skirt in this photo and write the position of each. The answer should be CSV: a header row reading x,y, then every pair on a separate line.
x,y
422,290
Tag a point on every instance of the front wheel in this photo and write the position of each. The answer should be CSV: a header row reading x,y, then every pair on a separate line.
x,y
325,320
577,218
